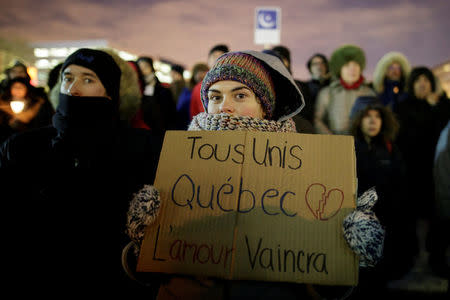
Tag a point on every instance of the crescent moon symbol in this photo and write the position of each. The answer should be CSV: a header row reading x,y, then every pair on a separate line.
x,y
264,23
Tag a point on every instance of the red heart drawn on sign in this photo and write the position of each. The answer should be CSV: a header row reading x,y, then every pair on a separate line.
x,y
323,205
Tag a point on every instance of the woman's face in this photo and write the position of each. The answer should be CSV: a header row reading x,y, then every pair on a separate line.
x,y
422,87
371,123
234,98
145,67
18,90
350,72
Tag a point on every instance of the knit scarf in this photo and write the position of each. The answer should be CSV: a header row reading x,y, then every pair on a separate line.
x,y
205,121
354,85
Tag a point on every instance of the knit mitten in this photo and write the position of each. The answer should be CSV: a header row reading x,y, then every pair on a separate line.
x,y
363,232
143,210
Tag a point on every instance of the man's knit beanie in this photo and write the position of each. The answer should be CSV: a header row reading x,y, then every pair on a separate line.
x,y
103,65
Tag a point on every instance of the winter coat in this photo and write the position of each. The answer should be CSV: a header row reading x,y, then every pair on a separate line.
x,y
196,105
183,106
442,174
159,110
381,165
314,86
42,118
189,287
388,91
333,107
176,87
66,213
36,104
420,126
65,199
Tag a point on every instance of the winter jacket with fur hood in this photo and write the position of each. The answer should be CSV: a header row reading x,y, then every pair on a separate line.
x,y
382,66
390,92
66,201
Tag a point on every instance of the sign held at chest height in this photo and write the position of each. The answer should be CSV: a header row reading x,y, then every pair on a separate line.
x,y
254,206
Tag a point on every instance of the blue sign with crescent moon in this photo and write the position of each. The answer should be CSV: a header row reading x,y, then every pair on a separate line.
x,y
266,19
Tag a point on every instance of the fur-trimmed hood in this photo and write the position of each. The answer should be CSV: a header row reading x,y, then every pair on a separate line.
x,y
130,94
384,63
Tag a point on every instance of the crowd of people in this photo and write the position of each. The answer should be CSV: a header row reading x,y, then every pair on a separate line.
x,y
78,157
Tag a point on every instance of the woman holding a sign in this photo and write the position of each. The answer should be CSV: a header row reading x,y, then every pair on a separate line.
x,y
250,91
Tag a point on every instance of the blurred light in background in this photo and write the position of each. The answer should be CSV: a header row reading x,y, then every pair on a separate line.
x,y
33,72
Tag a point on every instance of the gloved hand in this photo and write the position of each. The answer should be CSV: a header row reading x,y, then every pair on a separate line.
x,y
143,210
363,232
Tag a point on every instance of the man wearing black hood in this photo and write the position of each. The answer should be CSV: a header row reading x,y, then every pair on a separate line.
x,y
67,228
317,66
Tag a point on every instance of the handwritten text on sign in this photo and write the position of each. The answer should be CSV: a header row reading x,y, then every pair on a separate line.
x,y
260,206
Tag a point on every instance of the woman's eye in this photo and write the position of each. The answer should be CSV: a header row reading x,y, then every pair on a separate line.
x,y
67,79
88,80
241,96
214,98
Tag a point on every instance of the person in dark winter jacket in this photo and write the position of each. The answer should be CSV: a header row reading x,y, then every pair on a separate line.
x,y
178,83
21,109
158,107
184,102
245,90
66,228
390,78
317,66
440,239
19,70
422,115
380,164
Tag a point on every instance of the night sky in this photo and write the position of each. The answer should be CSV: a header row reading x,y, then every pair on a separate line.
x,y
184,31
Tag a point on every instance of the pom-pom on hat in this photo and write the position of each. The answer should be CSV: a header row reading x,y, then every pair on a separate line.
x,y
102,64
246,69
345,54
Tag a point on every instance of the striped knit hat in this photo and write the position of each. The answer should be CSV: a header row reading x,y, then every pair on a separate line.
x,y
246,69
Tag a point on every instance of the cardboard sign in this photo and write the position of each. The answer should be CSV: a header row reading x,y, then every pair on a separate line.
x,y
254,206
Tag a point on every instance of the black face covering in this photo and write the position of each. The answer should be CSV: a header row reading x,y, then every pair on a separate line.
x,y
85,122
